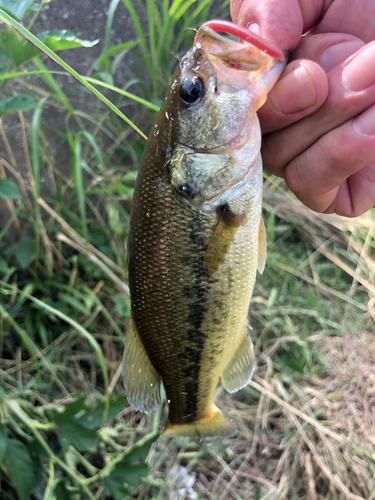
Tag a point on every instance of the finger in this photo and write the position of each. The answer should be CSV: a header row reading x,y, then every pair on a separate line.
x,y
356,195
328,176
352,90
328,49
301,90
346,17
281,21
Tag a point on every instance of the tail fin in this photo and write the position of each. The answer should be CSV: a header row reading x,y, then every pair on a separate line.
x,y
214,424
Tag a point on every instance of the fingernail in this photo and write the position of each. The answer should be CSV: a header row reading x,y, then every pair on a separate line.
x,y
295,92
359,72
254,27
364,124
336,54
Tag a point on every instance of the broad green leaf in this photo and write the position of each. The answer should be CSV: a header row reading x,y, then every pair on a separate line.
x,y
73,433
19,467
114,486
21,102
23,251
63,39
5,65
3,265
19,50
18,8
138,452
3,442
93,417
130,474
69,411
16,48
8,188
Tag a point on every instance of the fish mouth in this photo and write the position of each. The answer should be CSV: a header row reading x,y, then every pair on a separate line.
x,y
238,65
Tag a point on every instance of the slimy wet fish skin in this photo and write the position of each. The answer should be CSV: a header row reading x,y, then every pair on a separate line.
x,y
196,236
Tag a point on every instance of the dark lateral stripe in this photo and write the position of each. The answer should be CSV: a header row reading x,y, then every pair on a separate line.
x,y
197,311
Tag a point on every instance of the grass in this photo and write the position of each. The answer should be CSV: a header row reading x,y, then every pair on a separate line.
x,y
305,422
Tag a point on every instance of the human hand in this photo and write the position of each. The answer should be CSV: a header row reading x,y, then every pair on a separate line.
x,y
319,120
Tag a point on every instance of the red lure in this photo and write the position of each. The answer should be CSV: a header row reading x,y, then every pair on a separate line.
x,y
244,34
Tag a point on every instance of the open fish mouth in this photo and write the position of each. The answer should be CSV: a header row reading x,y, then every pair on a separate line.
x,y
249,68
248,58
244,34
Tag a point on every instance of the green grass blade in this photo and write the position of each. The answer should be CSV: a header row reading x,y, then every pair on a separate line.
x,y
152,16
107,35
10,220
138,28
23,336
176,4
124,93
90,339
78,183
35,136
51,82
182,9
41,46
96,148
114,50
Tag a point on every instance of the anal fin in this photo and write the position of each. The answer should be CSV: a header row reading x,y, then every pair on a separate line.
x,y
241,366
262,247
141,380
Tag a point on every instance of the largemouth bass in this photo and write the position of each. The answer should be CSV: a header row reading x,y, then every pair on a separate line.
x,y
196,236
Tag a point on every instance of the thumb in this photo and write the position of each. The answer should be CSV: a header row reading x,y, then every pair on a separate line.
x,y
279,21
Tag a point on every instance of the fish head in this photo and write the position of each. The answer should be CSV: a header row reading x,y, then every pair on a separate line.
x,y
218,88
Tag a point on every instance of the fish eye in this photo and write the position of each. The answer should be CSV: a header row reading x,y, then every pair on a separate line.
x,y
192,89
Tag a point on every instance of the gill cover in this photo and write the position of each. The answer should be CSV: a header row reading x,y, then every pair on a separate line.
x,y
216,134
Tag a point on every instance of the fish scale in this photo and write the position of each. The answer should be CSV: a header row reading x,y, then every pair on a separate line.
x,y
194,252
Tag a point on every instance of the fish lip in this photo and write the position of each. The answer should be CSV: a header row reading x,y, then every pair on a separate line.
x,y
228,146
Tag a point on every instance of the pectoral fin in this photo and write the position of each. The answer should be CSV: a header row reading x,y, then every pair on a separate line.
x,y
241,366
262,247
221,239
141,380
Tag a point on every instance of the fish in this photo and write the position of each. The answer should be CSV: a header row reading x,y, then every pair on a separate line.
x,y
197,237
